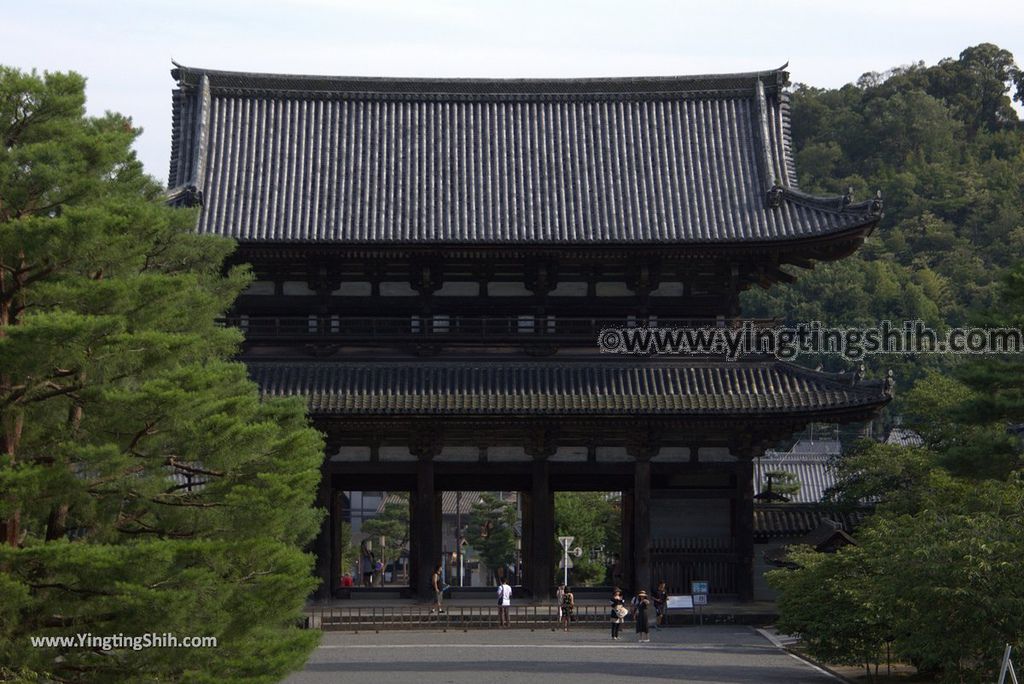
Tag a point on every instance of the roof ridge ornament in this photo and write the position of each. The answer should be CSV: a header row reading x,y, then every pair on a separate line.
x,y
877,205
889,384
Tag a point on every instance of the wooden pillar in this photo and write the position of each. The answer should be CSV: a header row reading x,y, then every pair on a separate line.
x,y
542,537
426,546
322,545
336,550
642,523
744,524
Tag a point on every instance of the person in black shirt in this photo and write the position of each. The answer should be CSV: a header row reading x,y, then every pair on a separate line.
x,y
618,613
660,604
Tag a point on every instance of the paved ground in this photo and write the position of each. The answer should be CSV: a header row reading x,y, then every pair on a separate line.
x,y
709,654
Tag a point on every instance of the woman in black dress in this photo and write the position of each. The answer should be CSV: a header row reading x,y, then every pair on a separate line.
x,y
642,615
618,613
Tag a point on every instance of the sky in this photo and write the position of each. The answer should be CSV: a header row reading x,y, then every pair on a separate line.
x,y
125,48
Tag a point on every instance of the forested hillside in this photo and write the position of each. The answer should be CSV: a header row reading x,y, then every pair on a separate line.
x,y
934,579
946,148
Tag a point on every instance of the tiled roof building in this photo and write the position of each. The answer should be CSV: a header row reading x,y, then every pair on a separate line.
x,y
434,259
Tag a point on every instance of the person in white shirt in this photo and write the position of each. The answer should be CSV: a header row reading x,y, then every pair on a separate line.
x,y
504,601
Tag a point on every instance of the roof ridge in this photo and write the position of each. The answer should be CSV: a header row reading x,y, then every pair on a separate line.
x,y
187,76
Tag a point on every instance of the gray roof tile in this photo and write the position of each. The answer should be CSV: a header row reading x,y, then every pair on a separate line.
x,y
794,520
815,475
412,161
561,387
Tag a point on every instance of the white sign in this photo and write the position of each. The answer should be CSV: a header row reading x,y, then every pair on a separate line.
x,y
700,599
565,563
685,601
566,541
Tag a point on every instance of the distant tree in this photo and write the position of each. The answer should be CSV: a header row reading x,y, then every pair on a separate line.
x,y
595,520
782,482
946,148
392,524
145,486
491,531
936,566
349,551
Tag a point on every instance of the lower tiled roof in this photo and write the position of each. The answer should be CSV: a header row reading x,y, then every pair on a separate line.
x,y
793,520
451,502
591,386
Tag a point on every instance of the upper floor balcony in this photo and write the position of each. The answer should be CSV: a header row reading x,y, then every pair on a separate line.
x,y
544,333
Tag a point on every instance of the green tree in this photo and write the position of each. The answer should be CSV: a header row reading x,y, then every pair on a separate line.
x,y
782,482
946,148
595,520
936,574
146,487
491,531
393,525
874,473
951,574
349,551
831,601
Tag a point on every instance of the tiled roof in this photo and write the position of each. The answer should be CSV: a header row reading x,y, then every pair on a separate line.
x,y
671,160
815,475
904,437
816,447
451,502
790,520
562,387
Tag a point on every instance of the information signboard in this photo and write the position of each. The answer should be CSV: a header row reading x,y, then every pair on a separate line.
x,y
699,587
684,601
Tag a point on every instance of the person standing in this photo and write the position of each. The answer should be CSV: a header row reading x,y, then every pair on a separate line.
x,y
642,615
504,602
567,607
436,581
367,561
618,614
660,604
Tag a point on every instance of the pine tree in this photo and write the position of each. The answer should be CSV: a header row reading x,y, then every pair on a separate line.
x,y
491,531
146,488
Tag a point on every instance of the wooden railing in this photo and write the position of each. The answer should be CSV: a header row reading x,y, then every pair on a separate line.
x,y
452,328
333,617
